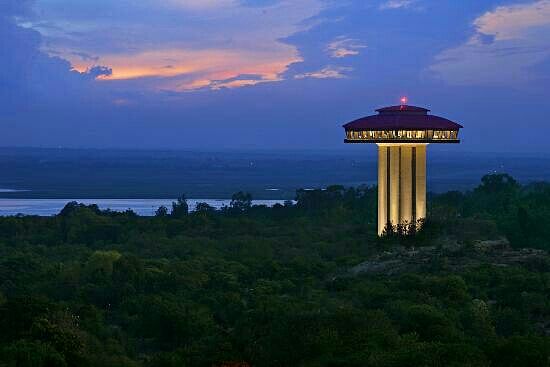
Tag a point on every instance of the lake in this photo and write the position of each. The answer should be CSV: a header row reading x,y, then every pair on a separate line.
x,y
143,207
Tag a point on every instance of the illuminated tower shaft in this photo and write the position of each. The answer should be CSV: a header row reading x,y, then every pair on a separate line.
x,y
401,184
402,134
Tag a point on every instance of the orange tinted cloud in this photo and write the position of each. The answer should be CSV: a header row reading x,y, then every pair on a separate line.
x,y
200,69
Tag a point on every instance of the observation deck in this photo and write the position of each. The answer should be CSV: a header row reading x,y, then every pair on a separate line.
x,y
402,124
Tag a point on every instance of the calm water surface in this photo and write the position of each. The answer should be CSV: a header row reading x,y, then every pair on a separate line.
x,y
144,207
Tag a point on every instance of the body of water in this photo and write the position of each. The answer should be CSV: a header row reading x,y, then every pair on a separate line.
x,y
143,207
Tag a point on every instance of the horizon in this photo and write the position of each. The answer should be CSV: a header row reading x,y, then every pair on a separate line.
x,y
360,150
366,151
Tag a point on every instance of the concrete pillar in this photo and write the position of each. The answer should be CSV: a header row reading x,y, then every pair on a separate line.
x,y
382,188
394,172
406,186
420,182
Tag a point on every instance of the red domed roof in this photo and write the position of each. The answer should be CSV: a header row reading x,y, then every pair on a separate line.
x,y
402,118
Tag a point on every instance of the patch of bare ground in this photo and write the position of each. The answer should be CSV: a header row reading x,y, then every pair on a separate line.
x,y
451,256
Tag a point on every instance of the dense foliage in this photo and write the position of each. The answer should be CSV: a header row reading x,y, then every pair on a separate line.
x,y
257,286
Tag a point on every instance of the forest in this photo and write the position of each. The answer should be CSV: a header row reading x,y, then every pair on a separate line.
x,y
307,283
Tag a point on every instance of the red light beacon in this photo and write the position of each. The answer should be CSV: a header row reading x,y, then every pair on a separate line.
x,y
404,100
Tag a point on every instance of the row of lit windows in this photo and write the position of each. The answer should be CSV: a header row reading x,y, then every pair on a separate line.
x,y
402,134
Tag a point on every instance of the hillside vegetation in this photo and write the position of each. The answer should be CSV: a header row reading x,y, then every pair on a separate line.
x,y
305,284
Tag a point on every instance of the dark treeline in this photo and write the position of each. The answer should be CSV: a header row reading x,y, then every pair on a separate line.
x,y
257,286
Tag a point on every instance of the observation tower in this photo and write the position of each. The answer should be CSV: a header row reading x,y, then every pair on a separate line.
x,y
402,134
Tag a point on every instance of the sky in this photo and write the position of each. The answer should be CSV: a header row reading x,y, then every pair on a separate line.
x,y
269,74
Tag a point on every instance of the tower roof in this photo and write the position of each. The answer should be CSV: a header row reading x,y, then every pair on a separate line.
x,y
403,109
402,117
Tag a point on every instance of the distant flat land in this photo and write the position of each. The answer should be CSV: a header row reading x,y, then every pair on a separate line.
x,y
90,173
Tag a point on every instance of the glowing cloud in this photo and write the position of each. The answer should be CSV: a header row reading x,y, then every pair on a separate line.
x,y
329,72
509,43
343,47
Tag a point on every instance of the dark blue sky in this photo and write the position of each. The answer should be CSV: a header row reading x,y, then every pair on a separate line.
x,y
283,74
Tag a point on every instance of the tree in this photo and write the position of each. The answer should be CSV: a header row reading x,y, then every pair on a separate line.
x,y
180,208
24,353
74,207
495,183
204,208
241,201
162,211
102,262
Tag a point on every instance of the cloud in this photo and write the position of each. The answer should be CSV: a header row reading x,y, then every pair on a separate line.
x,y
396,4
329,72
99,72
203,41
508,44
86,57
241,81
25,71
198,69
32,80
342,47
514,21
202,4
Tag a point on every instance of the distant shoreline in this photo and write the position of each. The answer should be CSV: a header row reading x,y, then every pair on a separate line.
x,y
142,207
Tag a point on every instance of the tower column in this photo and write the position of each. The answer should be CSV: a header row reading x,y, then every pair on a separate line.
x,y
394,172
383,158
401,184
420,212
406,185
